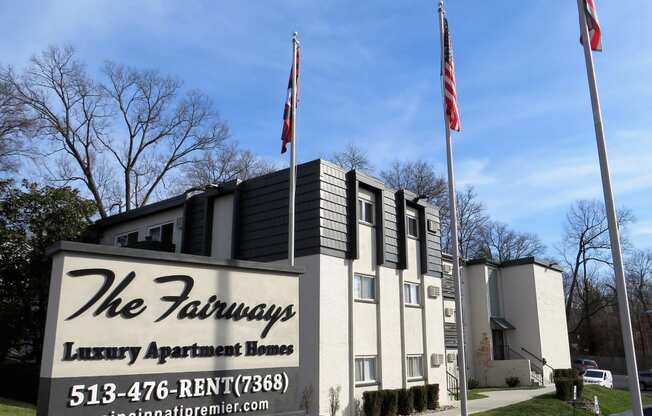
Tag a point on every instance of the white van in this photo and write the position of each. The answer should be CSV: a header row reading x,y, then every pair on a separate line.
x,y
600,377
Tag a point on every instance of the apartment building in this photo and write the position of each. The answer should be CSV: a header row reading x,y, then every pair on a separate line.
x,y
376,301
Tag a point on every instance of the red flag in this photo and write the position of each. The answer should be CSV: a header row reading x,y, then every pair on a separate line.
x,y
595,33
288,113
452,111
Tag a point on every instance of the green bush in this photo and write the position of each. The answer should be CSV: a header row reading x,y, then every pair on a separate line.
x,y
579,382
389,405
566,373
512,381
371,403
565,380
473,384
419,398
433,396
405,402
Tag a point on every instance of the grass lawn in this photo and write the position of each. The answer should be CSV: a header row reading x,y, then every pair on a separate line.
x,y
545,405
611,402
13,408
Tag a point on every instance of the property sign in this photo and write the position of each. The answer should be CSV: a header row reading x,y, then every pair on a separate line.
x,y
134,332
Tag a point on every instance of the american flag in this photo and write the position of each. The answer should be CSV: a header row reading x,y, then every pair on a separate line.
x,y
452,111
288,116
595,33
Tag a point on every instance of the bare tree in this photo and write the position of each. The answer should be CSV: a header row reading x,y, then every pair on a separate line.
x,y
352,157
586,240
14,124
418,177
639,281
499,242
69,111
164,128
223,166
588,276
123,138
472,218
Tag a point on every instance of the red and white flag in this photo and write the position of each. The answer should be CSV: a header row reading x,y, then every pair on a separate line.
x,y
595,33
288,113
452,111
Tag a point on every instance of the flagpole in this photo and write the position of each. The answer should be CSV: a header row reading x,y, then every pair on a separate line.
x,y
459,318
293,151
616,252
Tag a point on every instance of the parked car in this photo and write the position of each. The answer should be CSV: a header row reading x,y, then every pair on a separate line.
x,y
600,377
583,364
645,379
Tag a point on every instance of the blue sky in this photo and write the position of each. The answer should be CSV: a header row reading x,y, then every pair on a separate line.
x,y
370,75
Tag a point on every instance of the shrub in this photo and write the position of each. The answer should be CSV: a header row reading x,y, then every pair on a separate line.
x,y
389,402
419,398
565,380
334,400
433,396
512,381
473,384
564,388
372,403
579,382
566,373
405,402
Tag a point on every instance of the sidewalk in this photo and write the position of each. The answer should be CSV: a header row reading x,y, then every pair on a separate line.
x,y
497,399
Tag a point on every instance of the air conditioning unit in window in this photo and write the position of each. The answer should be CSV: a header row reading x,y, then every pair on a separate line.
x,y
434,291
436,360
449,312
448,268
433,226
451,357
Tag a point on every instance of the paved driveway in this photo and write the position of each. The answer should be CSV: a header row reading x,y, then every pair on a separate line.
x,y
498,399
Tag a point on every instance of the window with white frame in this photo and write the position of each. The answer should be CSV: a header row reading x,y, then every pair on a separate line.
x,y
364,287
411,293
412,228
366,209
365,369
414,364
126,239
163,233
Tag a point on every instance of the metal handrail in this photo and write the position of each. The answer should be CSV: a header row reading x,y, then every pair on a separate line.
x,y
541,360
511,350
452,385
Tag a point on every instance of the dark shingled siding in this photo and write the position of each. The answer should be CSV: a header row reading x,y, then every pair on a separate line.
x,y
391,229
450,335
433,244
262,224
336,212
326,218
196,235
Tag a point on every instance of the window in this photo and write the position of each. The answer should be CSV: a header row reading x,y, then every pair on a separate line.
x,y
126,239
365,369
366,211
415,366
162,233
494,294
412,229
411,294
364,287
